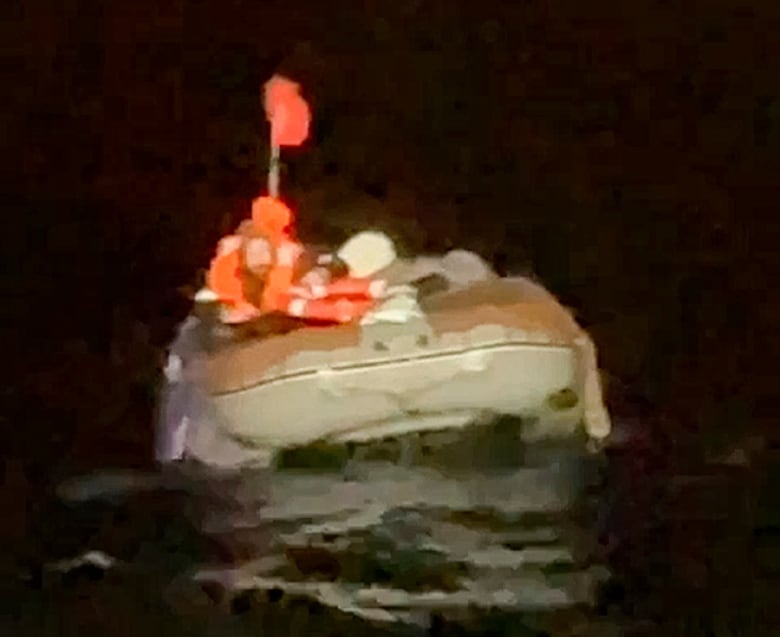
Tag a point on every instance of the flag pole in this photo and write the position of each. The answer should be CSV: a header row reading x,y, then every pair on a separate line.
x,y
273,172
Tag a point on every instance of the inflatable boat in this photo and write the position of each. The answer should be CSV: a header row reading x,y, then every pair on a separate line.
x,y
470,349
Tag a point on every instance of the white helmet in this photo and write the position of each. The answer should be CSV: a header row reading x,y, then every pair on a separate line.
x,y
367,253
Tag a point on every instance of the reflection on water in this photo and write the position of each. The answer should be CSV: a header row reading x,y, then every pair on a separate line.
x,y
679,547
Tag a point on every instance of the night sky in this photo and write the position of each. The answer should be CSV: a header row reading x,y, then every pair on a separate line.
x,y
625,153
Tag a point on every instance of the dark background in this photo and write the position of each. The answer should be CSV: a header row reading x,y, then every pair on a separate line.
x,y
626,153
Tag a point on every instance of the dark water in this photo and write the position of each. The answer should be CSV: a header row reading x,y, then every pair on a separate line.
x,y
689,545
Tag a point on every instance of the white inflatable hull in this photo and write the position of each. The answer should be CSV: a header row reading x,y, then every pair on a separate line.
x,y
501,347
421,391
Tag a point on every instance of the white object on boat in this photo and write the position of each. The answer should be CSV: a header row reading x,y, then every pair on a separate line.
x,y
401,306
366,253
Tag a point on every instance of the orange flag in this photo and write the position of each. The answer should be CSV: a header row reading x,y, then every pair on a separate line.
x,y
287,111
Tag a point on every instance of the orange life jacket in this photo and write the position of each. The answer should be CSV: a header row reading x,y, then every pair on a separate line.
x,y
224,275
341,301
329,310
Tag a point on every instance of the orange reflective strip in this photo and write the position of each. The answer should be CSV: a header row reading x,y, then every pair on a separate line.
x,y
348,286
339,311
279,280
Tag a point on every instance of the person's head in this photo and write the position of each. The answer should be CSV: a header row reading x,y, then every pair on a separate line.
x,y
271,217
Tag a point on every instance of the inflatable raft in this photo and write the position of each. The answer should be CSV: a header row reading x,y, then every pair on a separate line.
x,y
473,348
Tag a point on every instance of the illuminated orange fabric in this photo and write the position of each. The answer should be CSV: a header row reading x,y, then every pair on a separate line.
x,y
272,218
224,280
342,300
287,111
331,310
349,286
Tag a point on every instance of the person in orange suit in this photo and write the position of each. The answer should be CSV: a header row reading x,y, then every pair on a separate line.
x,y
264,252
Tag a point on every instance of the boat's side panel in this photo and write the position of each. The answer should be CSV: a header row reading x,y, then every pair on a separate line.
x,y
507,378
